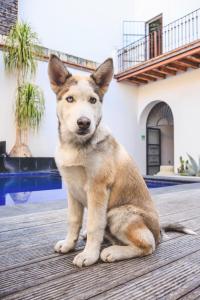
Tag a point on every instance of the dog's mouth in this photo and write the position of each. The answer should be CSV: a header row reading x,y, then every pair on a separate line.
x,y
83,131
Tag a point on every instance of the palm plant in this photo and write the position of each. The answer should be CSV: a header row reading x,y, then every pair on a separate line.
x,y
21,47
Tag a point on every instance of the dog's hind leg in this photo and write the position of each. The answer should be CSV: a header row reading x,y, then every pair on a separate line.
x,y
133,235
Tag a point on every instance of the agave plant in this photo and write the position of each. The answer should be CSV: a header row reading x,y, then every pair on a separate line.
x,y
194,167
21,47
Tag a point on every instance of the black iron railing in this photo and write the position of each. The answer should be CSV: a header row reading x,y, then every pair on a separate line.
x,y
174,35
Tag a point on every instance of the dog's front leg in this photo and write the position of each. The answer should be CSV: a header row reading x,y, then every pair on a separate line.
x,y
75,217
97,197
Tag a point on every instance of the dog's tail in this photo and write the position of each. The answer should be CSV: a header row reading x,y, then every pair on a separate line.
x,y
177,228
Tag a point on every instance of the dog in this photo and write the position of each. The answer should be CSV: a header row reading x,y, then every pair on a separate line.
x,y
99,173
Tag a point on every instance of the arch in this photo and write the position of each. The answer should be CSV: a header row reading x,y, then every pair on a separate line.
x,y
157,119
159,114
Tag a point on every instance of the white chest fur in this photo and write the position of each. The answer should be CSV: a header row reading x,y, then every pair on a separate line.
x,y
73,162
75,179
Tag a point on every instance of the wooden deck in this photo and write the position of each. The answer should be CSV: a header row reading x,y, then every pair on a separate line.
x,y
29,269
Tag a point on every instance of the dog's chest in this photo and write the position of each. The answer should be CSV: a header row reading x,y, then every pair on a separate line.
x,y
76,180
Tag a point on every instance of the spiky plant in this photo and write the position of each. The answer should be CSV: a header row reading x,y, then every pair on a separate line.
x,y
21,47
30,106
194,166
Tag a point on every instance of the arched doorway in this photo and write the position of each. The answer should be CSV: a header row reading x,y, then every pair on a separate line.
x,y
160,138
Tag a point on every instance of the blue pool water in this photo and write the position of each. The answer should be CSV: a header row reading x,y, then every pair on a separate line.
x,y
30,187
157,183
44,186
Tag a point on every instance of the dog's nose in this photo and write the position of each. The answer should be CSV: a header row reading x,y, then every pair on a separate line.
x,y
83,123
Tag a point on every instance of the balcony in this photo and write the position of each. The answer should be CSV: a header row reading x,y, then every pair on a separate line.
x,y
164,52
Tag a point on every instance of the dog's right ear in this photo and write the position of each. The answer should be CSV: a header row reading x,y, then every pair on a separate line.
x,y
58,73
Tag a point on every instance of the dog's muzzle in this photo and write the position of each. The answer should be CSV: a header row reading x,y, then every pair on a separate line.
x,y
83,125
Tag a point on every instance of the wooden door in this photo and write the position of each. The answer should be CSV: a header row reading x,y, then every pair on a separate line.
x,y
154,32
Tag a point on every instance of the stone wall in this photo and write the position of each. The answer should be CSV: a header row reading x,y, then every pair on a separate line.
x,y
8,15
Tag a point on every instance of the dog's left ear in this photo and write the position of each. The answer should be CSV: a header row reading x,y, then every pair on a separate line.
x,y
103,75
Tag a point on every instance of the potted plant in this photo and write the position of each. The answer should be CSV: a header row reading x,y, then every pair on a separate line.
x,y
21,47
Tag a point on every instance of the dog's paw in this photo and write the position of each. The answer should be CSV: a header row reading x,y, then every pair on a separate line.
x,y
63,246
85,258
109,254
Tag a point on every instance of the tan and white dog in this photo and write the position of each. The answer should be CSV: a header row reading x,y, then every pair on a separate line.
x,y
99,174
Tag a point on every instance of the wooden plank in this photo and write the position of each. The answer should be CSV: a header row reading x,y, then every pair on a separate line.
x,y
57,231
36,219
156,74
171,203
55,275
32,239
49,229
177,67
132,81
58,279
20,209
16,256
138,80
146,77
30,255
44,218
155,43
192,295
166,70
171,282
189,63
196,57
45,230
176,188
42,249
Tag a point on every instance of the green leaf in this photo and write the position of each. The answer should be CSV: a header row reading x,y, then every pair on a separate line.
x,y
30,106
21,48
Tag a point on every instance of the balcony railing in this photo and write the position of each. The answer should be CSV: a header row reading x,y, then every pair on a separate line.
x,y
170,37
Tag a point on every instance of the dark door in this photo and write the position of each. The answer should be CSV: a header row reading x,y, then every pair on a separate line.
x,y
153,150
154,29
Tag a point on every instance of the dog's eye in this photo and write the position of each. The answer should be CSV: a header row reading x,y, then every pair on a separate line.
x,y
70,99
93,100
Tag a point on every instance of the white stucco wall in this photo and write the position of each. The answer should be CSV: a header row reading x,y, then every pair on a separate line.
x,y
120,114
182,94
171,9
42,143
120,109
93,30
86,29
7,94
89,29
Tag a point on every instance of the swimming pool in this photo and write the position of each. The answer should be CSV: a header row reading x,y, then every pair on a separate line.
x,y
158,183
31,187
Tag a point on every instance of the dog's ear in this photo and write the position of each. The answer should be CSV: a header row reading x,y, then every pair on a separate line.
x,y
58,73
103,75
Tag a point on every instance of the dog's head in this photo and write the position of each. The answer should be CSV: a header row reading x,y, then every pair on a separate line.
x,y
79,99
